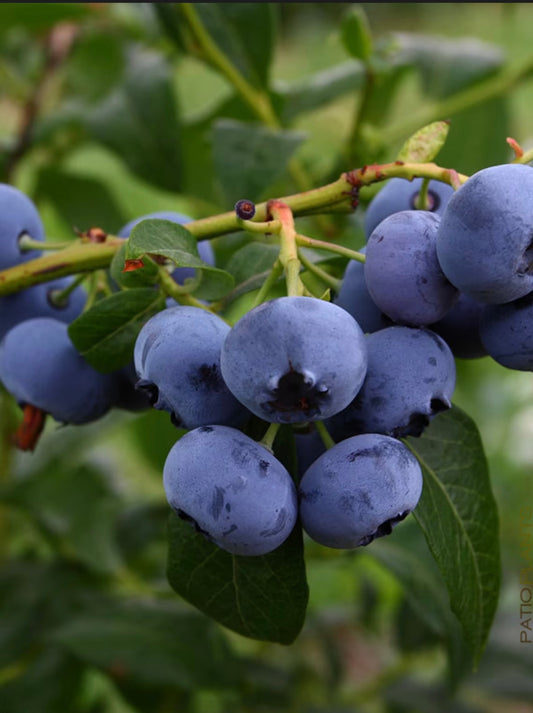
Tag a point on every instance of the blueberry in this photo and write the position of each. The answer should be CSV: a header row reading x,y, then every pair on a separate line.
x,y
355,298
309,445
507,333
245,209
39,366
177,360
294,359
38,301
359,490
485,237
410,379
231,489
402,272
401,194
18,216
127,397
460,328
205,250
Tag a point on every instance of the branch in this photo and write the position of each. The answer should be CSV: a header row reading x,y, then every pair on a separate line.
x,y
83,256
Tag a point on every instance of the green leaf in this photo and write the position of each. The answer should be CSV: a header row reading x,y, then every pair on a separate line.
x,y
260,597
20,601
144,276
426,594
105,335
251,260
163,237
317,90
245,33
249,158
81,202
139,121
486,144
153,435
447,65
95,65
74,504
425,144
355,33
49,684
458,515
150,643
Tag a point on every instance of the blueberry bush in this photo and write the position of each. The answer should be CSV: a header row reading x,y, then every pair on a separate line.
x,y
249,331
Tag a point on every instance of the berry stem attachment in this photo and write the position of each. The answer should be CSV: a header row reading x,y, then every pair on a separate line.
x,y
172,289
268,439
252,226
323,432
307,242
60,297
421,202
288,254
27,243
331,281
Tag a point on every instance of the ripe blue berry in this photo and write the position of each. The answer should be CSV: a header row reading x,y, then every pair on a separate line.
x,y
127,397
402,272
507,333
177,360
485,237
38,301
294,359
231,489
410,379
205,250
460,328
18,216
39,366
359,490
355,298
400,194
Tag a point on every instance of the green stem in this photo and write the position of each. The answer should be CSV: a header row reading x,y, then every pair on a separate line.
x,y
263,227
257,100
288,254
78,257
172,289
27,243
493,87
333,282
525,158
273,276
268,439
92,293
332,247
60,297
323,432
83,256
421,202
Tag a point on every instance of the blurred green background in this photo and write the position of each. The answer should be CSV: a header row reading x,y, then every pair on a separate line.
x,y
105,115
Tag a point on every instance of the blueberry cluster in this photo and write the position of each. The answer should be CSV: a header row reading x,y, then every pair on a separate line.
x,y
39,365
447,274
462,266
290,360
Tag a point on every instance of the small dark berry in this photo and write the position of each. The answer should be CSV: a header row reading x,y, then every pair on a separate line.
x,y
245,209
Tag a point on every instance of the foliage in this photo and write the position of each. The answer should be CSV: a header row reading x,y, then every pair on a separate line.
x,y
109,602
